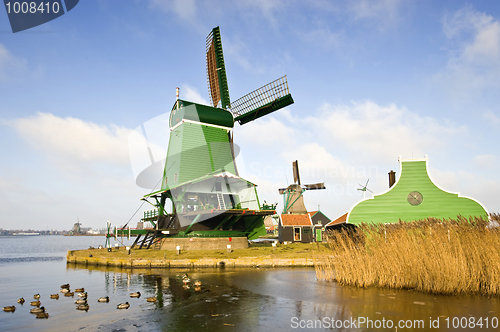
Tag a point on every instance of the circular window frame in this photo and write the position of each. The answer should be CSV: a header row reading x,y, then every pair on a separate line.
x,y
415,198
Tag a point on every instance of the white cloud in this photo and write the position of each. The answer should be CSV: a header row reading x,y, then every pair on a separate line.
x,y
486,161
184,9
266,132
474,62
267,8
492,118
324,36
342,146
74,139
381,9
5,57
189,93
382,133
9,64
316,164
88,174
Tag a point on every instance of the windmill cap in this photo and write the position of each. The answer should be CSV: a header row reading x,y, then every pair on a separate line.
x,y
200,113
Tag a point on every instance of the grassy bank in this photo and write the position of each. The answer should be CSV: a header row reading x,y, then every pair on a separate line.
x,y
294,254
442,257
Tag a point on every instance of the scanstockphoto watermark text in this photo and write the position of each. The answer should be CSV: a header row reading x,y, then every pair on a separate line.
x,y
367,323
272,171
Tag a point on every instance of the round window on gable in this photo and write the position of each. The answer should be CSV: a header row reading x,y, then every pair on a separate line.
x,y
415,198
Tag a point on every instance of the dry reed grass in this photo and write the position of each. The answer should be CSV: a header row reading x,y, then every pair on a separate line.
x,y
438,256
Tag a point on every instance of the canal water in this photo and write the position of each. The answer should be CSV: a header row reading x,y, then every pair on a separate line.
x,y
284,299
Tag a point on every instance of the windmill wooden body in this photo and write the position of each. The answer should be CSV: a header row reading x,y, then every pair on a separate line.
x,y
201,179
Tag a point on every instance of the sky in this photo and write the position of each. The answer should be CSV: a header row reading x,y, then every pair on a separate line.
x,y
373,81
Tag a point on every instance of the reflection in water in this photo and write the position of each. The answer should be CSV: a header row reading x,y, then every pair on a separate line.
x,y
264,299
228,299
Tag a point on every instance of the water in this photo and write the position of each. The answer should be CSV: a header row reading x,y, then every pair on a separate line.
x,y
229,299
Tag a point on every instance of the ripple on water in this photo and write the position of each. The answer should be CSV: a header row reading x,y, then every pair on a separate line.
x,y
30,259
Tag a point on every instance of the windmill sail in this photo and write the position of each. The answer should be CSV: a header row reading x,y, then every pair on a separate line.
x,y
216,71
315,186
267,99
296,176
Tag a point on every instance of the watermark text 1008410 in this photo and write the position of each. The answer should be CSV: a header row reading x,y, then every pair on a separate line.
x,y
32,7
476,323
24,15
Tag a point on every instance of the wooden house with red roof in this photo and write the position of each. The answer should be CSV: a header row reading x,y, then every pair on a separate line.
x,y
295,228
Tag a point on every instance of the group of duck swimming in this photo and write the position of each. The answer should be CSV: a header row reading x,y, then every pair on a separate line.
x,y
186,280
81,302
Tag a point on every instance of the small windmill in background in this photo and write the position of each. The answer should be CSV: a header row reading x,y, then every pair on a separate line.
x,y
364,188
293,194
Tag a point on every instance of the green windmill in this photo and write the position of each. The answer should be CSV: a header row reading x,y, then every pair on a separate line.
x,y
201,180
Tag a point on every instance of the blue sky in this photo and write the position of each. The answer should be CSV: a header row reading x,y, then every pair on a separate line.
x,y
371,80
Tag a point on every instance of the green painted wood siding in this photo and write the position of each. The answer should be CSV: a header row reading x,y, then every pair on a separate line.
x,y
393,205
196,150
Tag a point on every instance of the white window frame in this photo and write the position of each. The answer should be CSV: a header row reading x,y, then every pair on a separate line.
x,y
300,233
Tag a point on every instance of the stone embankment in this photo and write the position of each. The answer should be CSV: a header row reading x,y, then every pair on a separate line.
x,y
264,261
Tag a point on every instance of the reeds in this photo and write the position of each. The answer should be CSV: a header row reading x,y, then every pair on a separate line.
x,y
438,256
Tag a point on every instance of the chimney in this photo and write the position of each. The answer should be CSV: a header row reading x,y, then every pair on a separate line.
x,y
392,178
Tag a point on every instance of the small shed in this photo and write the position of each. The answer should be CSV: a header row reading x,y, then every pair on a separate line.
x,y
319,217
296,228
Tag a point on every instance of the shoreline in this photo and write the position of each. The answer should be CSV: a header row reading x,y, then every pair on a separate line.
x,y
257,255
192,263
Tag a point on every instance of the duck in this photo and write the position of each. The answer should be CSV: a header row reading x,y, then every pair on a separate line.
x,y
36,296
136,294
125,305
10,308
103,299
54,296
151,299
21,300
82,295
69,294
83,307
80,290
197,283
65,286
35,303
81,301
64,290
37,310
185,275
42,315
186,281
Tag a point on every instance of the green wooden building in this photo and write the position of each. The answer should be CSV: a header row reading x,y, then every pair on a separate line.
x,y
413,197
201,184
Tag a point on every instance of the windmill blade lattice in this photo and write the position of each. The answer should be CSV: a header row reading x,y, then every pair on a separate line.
x,y
267,99
216,71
